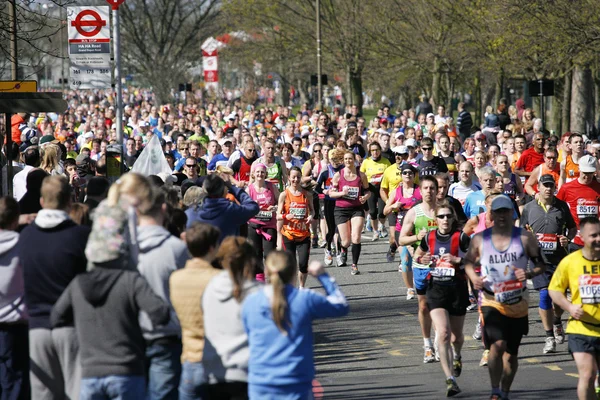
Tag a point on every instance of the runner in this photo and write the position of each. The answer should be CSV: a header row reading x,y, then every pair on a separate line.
x,y
551,221
504,298
296,212
419,220
350,189
374,167
465,186
443,181
578,272
520,146
276,170
549,167
582,195
475,202
569,167
430,164
447,294
531,157
400,201
262,233
310,173
511,184
452,160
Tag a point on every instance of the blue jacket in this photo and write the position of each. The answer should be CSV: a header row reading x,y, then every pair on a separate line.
x,y
224,214
287,360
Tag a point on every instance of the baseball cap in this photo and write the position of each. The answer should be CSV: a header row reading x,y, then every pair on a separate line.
x,y
168,139
225,140
587,163
430,115
409,167
400,150
383,121
47,139
410,143
502,202
142,124
546,178
398,134
88,135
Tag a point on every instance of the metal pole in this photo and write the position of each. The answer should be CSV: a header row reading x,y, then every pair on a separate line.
x,y
319,72
542,103
63,21
12,15
118,86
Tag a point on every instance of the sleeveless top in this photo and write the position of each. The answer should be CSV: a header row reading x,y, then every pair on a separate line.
x,y
422,221
266,199
354,189
470,158
481,224
452,169
501,289
571,169
274,175
444,273
407,203
244,172
510,188
545,171
297,205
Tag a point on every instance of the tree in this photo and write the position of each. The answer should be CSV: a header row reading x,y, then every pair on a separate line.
x,y
162,38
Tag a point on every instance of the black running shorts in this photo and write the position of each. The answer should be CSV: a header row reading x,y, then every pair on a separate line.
x,y
453,298
343,214
497,326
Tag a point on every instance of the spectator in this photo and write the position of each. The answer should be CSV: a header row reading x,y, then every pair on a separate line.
x,y
225,357
14,363
97,190
160,255
30,202
186,288
464,122
48,269
12,154
32,160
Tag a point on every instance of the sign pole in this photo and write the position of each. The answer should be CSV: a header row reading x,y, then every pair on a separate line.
x,y
542,110
118,84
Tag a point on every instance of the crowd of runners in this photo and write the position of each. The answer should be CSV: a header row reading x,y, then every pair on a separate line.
x,y
214,255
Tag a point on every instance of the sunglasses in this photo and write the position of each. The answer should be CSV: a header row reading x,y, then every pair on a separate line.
x,y
190,165
425,148
407,173
251,150
444,216
184,148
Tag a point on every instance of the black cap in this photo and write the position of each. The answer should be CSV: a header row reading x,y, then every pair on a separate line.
x,y
547,178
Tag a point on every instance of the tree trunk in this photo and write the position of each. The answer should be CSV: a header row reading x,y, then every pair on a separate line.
x,y
435,84
566,103
301,91
499,92
582,100
477,100
596,97
356,88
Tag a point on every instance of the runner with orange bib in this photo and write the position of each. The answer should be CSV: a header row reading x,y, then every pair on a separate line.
x,y
296,212
569,167
549,167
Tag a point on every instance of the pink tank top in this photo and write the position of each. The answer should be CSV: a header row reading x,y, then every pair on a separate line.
x,y
481,225
407,202
266,199
351,199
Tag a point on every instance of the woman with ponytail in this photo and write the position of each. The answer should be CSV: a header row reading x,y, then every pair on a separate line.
x,y
225,357
278,321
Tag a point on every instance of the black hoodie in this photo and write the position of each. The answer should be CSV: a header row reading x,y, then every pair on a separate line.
x,y
104,305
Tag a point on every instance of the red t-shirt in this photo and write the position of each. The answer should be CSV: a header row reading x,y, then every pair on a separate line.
x,y
583,200
529,160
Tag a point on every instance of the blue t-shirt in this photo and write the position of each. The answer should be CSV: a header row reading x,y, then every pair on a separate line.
x,y
475,205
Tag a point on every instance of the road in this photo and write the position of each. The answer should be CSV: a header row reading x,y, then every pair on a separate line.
x,y
376,351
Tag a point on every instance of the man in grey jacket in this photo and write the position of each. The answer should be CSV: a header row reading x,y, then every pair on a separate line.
x,y
14,354
160,254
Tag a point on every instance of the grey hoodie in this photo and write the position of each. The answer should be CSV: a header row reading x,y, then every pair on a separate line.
x,y
12,304
160,253
226,352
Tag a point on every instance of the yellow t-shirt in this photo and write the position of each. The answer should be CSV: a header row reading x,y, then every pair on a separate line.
x,y
582,278
374,169
392,178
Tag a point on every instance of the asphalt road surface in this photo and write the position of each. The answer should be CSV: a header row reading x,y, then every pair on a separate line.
x,y
376,352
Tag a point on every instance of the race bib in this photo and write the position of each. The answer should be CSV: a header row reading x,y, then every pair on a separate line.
x,y
522,180
400,217
443,271
352,192
376,178
589,289
548,242
264,216
587,208
298,212
509,292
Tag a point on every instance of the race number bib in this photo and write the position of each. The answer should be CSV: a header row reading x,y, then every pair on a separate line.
x,y
264,216
400,217
353,192
587,208
376,178
509,292
298,212
589,289
443,271
548,242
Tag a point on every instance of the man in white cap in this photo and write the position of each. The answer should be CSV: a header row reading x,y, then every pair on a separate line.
x,y
582,195
413,156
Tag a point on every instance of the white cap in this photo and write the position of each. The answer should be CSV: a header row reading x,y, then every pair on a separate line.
x,y
142,124
587,163
168,139
398,134
400,150
410,143
88,135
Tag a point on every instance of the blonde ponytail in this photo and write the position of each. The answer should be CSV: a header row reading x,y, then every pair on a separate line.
x,y
281,268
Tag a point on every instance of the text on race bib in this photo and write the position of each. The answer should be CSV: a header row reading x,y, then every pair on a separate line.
x,y
443,271
589,289
298,212
353,192
548,241
508,292
376,178
264,215
587,209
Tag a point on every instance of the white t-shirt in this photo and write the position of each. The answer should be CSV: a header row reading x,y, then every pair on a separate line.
x,y
20,182
460,192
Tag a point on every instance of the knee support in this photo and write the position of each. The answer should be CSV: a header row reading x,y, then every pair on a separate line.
x,y
405,260
545,300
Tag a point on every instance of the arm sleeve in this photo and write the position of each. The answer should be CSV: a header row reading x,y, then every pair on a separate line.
x,y
332,305
321,180
460,214
62,312
424,245
464,242
148,301
442,167
235,166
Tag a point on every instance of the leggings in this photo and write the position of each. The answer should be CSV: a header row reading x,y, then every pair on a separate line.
x,y
376,203
263,246
303,248
328,207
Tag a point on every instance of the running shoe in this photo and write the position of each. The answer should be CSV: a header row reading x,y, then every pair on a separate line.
x,y
354,270
328,258
383,233
452,388
390,256
457,367
375,236
472,303
410,294
559,333
368,226
484,358
322,244
428,357
550,346
344,255
315,242
477,333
